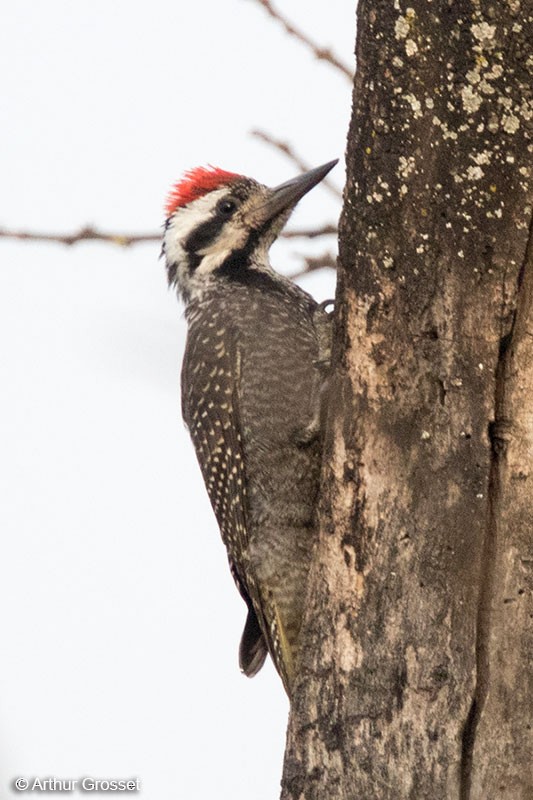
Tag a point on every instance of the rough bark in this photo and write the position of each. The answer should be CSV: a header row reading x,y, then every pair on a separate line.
x,y
416,673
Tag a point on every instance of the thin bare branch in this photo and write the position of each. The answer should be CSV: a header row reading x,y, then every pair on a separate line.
x,y
322,53
126,239
314,263
288,150
83,235
310,233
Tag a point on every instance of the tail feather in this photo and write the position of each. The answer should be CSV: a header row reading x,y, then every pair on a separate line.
x,y
252,649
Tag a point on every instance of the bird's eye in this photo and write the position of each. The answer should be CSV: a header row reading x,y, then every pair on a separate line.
x,y
226,206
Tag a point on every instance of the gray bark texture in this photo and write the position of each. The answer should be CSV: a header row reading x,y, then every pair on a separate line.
x,y
416,673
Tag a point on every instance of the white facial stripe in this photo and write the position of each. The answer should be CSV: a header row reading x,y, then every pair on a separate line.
x,y
185,220
232,237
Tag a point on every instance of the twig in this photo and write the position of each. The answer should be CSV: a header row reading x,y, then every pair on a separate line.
x,y
321,53
287,150
314,263
310,233
85,234
126,239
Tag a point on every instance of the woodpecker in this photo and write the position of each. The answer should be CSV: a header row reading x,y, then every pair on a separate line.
x,y
252,390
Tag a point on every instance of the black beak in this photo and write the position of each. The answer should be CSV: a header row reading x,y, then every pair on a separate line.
x,y
286,195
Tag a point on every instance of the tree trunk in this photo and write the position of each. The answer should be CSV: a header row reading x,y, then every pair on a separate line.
x,y
416,676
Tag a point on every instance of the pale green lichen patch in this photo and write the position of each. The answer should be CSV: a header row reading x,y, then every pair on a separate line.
x,y
473,76
483,32
495,72
526,109
474,173
411,47
404,23
403,29
405,166
446,132
471,99
484,157
510,123
415,105
379,194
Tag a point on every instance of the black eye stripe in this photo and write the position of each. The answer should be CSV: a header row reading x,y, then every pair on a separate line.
x,y
204,234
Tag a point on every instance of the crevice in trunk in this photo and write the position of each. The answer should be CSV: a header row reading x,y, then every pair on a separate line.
x,y
499,433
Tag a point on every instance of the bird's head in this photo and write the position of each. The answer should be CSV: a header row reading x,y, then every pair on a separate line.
x,y
221,225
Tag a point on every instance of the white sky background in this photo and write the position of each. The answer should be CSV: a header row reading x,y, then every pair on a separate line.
x,y
119,619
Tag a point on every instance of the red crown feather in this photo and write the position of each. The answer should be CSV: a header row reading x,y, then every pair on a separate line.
x,y
194,184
